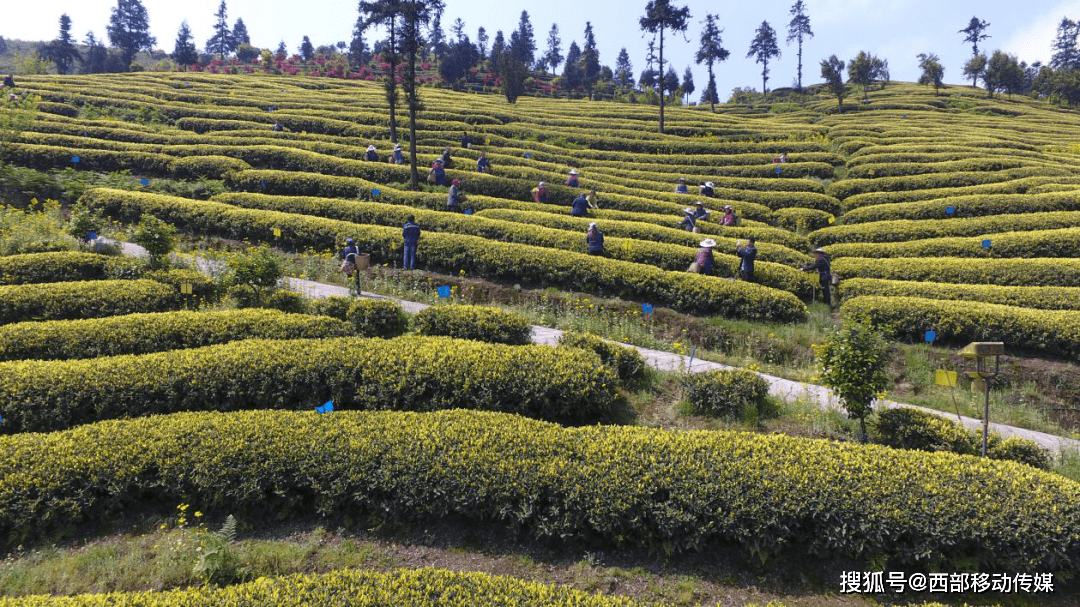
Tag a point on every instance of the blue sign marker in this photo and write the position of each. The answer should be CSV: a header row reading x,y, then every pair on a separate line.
x,y
646,308
74,158
777,171
327,407
91,235
468,211
144,181
528,155
444,291
375,192
950,210
931,336
986,244
262,182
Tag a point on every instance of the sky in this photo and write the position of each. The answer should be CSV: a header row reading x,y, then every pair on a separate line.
x,y
895,30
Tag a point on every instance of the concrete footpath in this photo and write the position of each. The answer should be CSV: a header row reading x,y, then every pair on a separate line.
x,y
667,361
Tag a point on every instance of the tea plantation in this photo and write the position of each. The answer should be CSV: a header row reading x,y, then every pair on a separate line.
x,y
123,396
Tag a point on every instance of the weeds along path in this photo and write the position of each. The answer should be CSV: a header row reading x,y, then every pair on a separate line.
x,y
667,361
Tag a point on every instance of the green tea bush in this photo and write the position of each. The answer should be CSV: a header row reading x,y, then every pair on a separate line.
x,y
736,393
377,318
481,323
626,362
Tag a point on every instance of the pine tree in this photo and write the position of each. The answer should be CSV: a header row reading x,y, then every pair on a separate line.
x,y
95,58
624,70
184,52
659,16
1066,52
709,52
221,43
386,13
974,32
763,48
307,51
481,42
590,60
62,51
687,84
437,38
522,41
129,30
572,69
357,47
415,15
553,57
240,33
799,28
498,49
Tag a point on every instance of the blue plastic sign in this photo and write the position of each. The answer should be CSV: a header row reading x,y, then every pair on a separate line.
x,y
144,181
91,235
375,192
931,336
327,407
528,155
777,171
468,211
74,158
444,291
950,210
646,308
986,244
262,182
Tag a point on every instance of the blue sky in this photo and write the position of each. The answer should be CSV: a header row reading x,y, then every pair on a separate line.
x,y
896,30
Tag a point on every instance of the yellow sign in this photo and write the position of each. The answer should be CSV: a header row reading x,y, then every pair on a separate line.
x,y
945,378
277,232
185,288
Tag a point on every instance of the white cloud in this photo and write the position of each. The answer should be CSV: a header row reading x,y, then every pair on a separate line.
x,y
1033,42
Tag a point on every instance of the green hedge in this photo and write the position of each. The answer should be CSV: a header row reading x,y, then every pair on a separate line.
x,y
355,587
618,486
62,266
895,168
626,362
209,167
481,323
802,221
450,252
377,318
1043,298
966,206
88,299
907,428
415,373
1015,186
1050,331
144,333
1036,272
903,230
1063,242
735,393
849,187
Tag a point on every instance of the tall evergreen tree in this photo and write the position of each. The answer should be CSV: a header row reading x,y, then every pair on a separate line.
x,y
1066,52
763,48
240,33
687,84
932,71
799,28
62,51
184,52
388,14
572,70
661,15
95,58
481,42
522,41
590,60
415,15
437,38
553,57
129,30
357,47
498,49
974,32
624,70
458,29
282,51
307,50
221,43
709,52
671,80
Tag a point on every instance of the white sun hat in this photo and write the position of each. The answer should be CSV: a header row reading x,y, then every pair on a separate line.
x,y
708,243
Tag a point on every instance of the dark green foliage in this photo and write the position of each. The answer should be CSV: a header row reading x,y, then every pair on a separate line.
x,y
287,301
763,47
184,52
129,30
62,51
731,393
626,362
376,318
474,322
336,306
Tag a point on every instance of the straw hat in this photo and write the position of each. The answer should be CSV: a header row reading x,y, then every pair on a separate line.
x,y
573,171
708,243
541,184
700,204
592,226
819,250
682,179
397,147
371,148
709,184
728,207
688,211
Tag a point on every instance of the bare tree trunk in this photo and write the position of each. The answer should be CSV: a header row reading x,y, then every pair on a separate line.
x,y
800,63
391,86
660,73
415,177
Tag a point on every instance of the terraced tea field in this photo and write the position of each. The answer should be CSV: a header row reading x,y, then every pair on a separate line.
x,y
952,214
